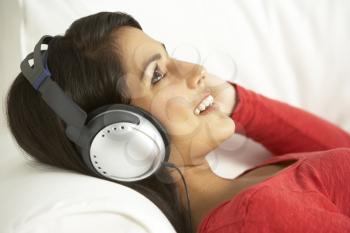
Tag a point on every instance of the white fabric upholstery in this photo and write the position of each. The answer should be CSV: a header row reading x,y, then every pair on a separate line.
x,y
37,198
296,51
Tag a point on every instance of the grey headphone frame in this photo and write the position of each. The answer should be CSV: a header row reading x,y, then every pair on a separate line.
x,y
82,128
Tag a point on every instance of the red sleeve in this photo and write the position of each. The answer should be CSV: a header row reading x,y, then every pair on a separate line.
x,y
282,128
275,211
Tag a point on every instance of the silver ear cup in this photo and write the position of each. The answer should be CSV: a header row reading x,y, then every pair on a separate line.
x,y
126,151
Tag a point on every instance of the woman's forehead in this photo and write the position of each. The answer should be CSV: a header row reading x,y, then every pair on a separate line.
x,y
136,49
135,45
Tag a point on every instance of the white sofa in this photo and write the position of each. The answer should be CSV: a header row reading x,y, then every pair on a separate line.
x,y
297,51
41,199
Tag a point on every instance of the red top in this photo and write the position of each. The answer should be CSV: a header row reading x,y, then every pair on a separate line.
x,y
311,195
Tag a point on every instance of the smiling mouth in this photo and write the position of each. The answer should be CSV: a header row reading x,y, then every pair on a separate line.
x,y
212,108
205,106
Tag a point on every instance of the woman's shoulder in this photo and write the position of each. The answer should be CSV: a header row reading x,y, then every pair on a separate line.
x,y
276,198
270,195
231,212
261,205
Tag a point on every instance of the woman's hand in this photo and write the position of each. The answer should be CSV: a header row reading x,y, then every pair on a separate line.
x,y
223,92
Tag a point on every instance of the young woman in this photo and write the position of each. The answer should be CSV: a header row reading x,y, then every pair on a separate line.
x,y
106,58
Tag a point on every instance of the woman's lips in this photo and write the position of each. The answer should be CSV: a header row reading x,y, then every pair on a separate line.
x,y
204,105
204,97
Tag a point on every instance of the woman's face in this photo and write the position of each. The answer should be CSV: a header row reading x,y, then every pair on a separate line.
x,y
172,98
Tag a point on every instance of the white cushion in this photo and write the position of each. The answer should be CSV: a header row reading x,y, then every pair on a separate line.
x,y
296,51
39,198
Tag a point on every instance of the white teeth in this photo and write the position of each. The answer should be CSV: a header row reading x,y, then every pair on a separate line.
x,y
207,102
204,104
202,107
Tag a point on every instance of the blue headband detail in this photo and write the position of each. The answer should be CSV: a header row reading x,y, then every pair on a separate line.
x,y
43,76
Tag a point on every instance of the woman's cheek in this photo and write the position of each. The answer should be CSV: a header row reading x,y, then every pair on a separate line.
x,y
176,115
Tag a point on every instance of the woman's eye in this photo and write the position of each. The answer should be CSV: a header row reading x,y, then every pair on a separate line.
x,y
157,76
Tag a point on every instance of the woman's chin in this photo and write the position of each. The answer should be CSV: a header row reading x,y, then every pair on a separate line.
x,y
221,130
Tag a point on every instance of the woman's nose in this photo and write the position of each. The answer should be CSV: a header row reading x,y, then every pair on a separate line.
x,y
197,77
192,74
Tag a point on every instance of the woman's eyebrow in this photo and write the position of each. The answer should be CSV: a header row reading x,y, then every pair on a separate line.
x,y
154,57
165,49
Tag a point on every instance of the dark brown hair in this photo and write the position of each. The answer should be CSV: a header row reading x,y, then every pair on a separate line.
x,y
85,62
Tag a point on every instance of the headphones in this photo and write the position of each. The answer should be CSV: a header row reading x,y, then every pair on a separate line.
x,y
120,142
